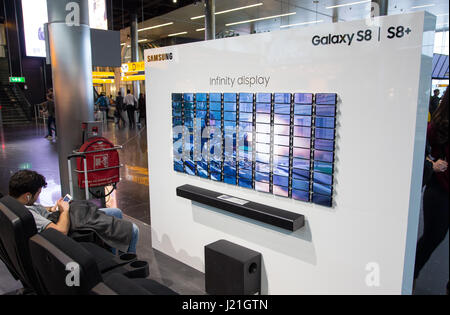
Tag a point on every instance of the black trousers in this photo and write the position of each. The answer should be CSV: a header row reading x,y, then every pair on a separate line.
x,y
131,117
436,224
51,121
142,116
120,117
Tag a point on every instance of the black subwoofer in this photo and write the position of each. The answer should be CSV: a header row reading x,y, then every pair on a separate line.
x,y
231,269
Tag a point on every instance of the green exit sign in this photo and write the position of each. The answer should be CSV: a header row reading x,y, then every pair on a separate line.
x,y
16,79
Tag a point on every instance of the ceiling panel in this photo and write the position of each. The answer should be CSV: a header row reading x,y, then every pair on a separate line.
x,y
305,11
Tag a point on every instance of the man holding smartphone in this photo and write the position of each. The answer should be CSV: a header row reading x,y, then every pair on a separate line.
x,y
26,186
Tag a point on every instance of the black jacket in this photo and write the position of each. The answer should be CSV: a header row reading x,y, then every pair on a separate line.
x,y
119,103
85,216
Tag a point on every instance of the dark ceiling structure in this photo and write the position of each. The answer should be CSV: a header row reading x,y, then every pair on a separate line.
x,y
121,10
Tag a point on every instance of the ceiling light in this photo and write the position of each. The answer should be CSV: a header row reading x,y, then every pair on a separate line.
x,y
200,29
230,10
304,23
175,34
142,40
198,17
156,26
347,4
260,19
423,6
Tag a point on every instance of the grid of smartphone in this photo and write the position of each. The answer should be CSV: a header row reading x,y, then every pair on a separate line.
x,y
277,143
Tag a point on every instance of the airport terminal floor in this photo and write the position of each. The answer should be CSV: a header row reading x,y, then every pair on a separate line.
x,y
224,148
24,147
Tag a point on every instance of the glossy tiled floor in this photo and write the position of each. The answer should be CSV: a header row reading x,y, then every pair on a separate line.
x,y
132,195
25,147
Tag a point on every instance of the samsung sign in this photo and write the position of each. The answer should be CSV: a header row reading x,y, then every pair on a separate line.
x,y
159,57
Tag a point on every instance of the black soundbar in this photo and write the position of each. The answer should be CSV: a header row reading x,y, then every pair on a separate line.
x,y
280,218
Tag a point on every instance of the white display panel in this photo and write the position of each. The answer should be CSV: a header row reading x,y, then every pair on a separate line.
x,y
97,14
35,16
365,244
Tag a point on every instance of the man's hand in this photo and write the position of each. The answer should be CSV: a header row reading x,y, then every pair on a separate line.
x,y
63,224
440,166
62,205
53,209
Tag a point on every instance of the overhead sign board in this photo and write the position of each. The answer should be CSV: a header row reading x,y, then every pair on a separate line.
x,y
133,67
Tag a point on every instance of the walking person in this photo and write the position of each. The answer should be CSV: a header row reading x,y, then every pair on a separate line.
x,y
142,109
434,101
103,104
436,195
130,102
120,110
49,107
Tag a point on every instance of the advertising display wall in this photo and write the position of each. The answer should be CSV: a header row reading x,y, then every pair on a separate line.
x,y
280,143
35,16
359,241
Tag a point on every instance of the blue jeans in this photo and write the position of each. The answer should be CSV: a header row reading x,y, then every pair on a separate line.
x,y
117,213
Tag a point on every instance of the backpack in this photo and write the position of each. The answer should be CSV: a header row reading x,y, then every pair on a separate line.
x,y
103,103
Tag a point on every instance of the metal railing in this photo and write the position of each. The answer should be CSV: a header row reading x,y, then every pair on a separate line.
x,y
23,102
39,113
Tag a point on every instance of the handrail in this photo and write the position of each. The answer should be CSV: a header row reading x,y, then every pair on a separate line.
x,y
38,113
21,97
117,147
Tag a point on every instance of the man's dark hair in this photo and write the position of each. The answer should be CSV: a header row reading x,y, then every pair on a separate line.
x,y
25,181
437,90
129,91
120,93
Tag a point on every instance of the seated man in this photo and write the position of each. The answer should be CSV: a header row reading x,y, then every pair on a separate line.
x,y
25,186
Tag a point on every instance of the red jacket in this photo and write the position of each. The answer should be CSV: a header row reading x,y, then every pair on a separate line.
x,y
439,151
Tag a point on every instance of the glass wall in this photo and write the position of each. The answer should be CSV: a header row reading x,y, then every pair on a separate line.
x,y
441,42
